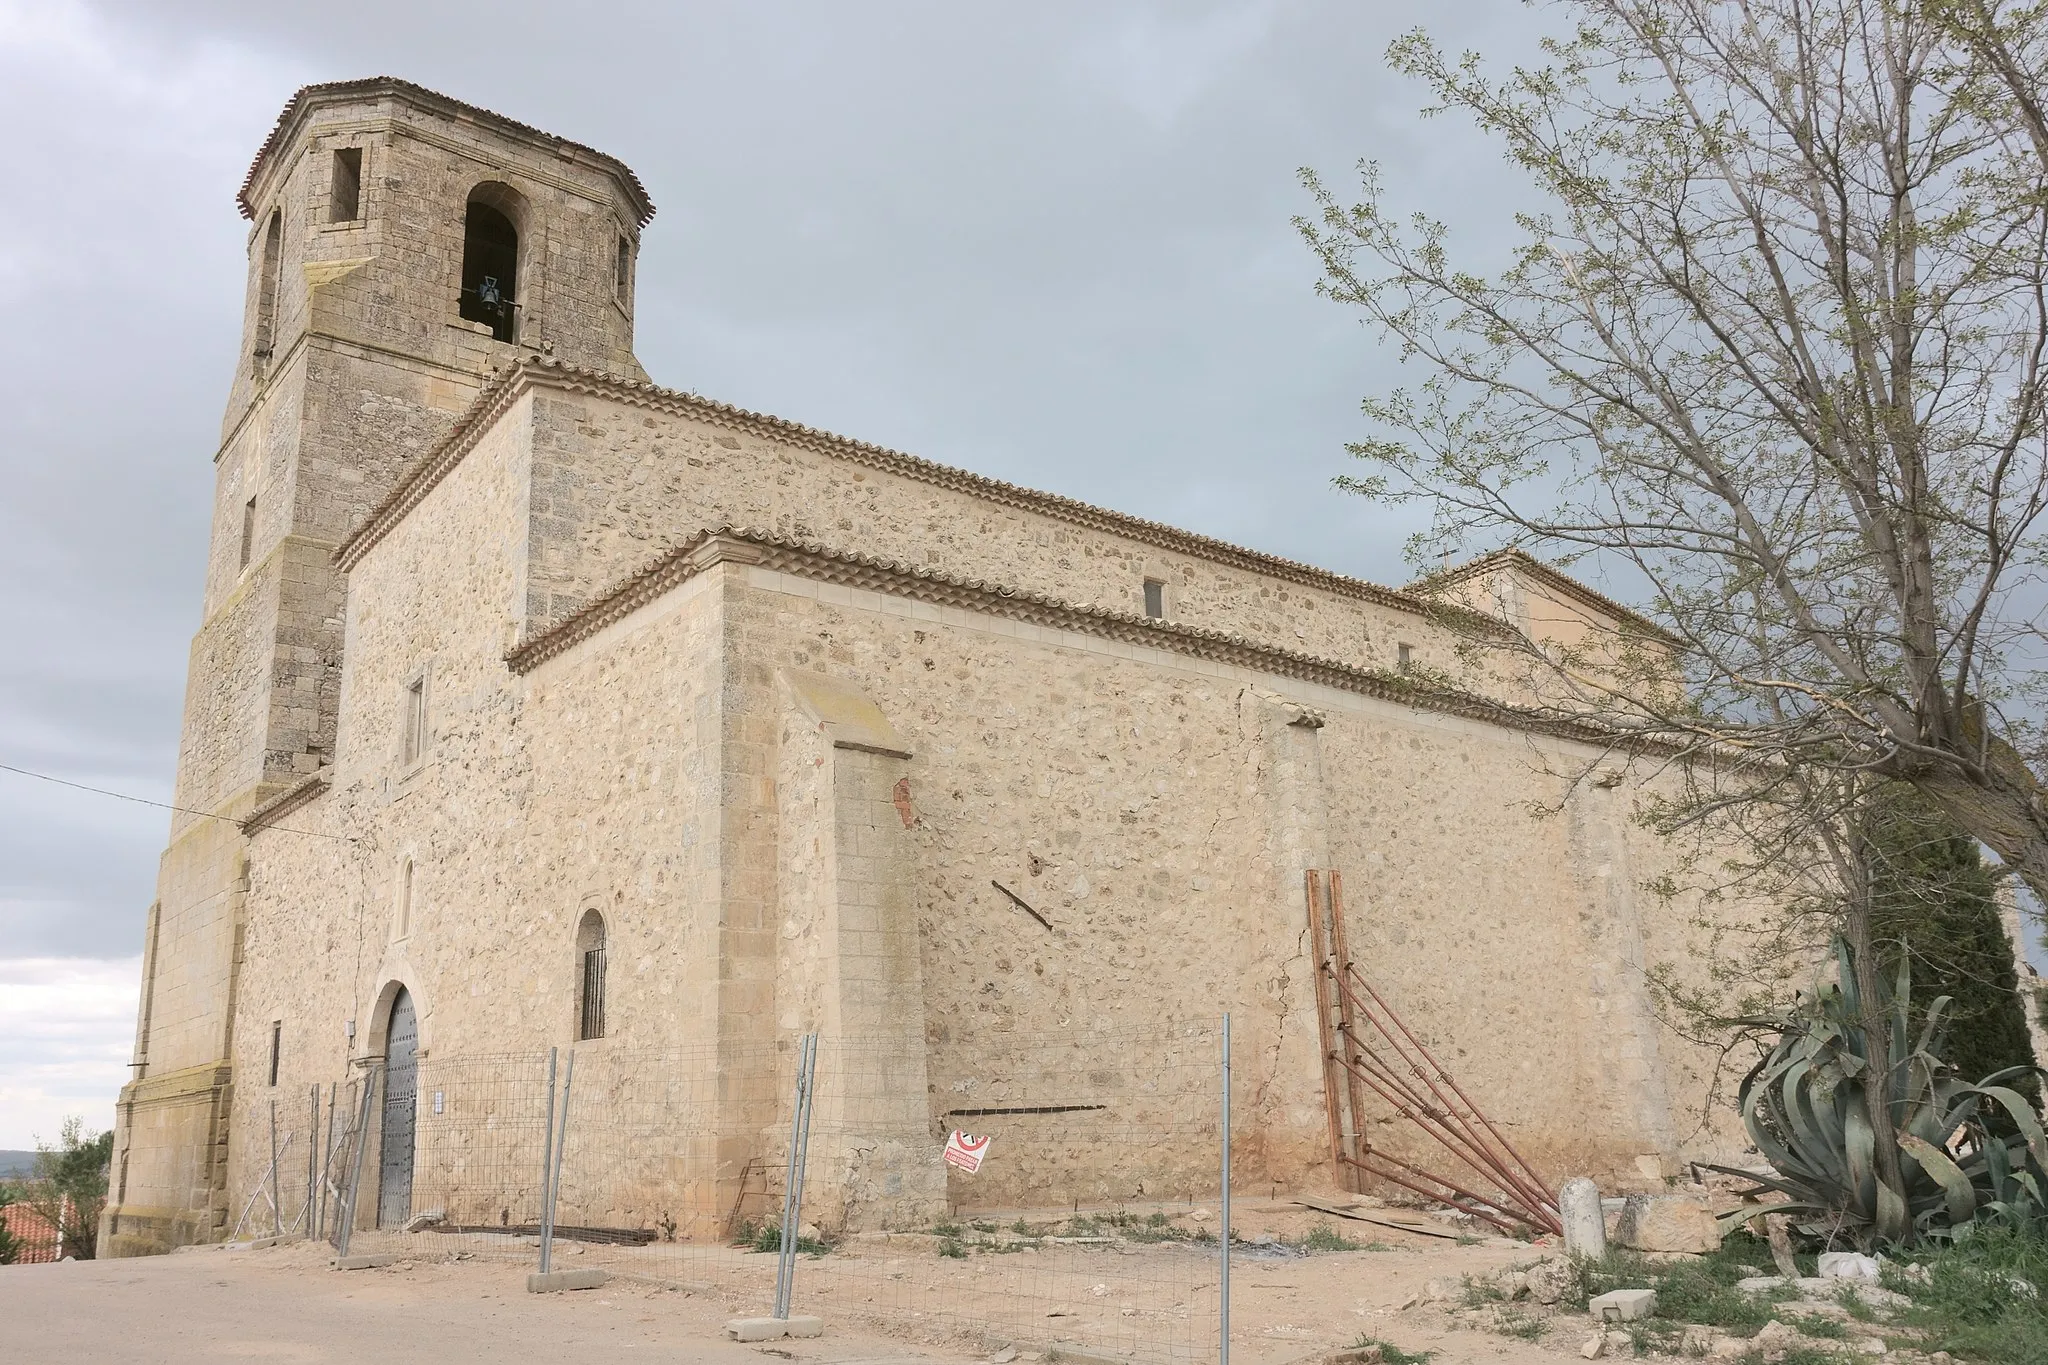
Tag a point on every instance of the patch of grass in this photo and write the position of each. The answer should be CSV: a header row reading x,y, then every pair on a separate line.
x,y
1796,1355
951,1248
1023,1229
1394,1355
982,1225
1986,1297
1825,1329
1701,1290
1514,1323
1157,1220
951,1230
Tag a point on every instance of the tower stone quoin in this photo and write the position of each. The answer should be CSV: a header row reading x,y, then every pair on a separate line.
x,y
403,246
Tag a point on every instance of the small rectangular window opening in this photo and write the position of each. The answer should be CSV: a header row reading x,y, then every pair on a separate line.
x,y
345,193
625,266
1405,657
413,741
1155,598
248,532
276,1046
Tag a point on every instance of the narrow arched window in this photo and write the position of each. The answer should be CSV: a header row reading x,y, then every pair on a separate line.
x,y
490,259
266,289
590,958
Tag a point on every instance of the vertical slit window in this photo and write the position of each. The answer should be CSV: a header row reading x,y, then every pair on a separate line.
x,y
345,190
1155,598
248,532
625,266
413,737
1405,657
276,1046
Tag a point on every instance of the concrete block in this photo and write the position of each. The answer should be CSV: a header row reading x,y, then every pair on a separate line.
x,y
284,1241
772,1329
1623,1305
556,1281
370,1262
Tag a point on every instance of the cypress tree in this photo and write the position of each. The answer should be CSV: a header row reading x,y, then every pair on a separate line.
x,y
1932,899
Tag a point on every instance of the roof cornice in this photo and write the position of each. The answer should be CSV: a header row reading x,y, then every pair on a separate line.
x,y
299,107
731,544
506,384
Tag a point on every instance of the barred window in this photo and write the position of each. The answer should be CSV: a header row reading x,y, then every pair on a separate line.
x,y
590,945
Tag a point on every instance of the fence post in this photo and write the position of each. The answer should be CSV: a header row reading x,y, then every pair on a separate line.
x,y
1223,1339
327,1156
547,1236
547,1165
312,1160
276,1185
355,1177
793,1184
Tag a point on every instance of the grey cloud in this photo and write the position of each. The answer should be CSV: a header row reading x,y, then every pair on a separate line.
x,y
1049,243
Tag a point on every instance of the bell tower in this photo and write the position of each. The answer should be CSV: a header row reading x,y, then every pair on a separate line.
x,y
403,245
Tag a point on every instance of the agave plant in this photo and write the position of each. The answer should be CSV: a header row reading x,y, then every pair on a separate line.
x,y
1804,1105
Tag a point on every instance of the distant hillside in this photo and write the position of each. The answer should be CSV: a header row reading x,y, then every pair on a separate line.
x,y
15,1164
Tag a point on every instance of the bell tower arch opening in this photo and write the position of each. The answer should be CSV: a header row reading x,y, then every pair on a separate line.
x,y
492,224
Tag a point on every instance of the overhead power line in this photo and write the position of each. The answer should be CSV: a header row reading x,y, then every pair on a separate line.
x,y
165,805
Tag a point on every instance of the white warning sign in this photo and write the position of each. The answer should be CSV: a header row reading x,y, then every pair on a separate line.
x,y
965,1150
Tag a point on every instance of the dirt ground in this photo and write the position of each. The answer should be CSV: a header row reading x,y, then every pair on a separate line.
x,y
897,1300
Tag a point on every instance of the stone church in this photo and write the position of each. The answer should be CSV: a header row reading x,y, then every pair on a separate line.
x,y
534,702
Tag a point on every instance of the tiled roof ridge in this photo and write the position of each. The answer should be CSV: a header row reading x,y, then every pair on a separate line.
x,y
437,461
370,84
677,565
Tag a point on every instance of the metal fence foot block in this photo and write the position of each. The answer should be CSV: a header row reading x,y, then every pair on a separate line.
x,y
557,1280
261,1242
364,1262
770,1329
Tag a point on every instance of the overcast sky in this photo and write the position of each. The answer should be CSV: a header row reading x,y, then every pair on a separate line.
x,y
1046,242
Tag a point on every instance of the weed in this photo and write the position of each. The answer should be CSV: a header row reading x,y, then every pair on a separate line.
x,y
1157,1220
1479,1293
766,1236
1022,1228
982,1225
1323,1237
948,1230
1514,1323
1394,1355
1826,1329
950,1247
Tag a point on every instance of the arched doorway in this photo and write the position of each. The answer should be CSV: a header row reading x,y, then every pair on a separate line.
x,y
401,1091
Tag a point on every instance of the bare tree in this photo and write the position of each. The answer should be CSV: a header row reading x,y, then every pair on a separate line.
x,y
1773,354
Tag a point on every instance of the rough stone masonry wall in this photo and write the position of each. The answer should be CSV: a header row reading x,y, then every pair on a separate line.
x,y
594,783
1132,797
615,482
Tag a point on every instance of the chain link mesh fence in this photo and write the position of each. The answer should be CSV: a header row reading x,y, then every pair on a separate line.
x,y
1091,1220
